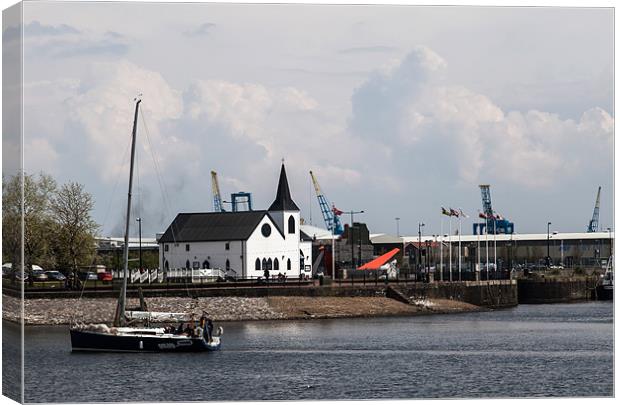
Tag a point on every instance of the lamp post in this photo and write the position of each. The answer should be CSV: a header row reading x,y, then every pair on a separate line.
x,y
434,261
611,246
420,225
140,240
397,230
548,237
351,235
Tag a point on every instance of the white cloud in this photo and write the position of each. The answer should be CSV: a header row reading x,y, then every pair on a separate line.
x,y
63,41
283,122
104,109
471,135
39,153
408,130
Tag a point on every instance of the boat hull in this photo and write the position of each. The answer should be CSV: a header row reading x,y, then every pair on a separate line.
x,y
105,342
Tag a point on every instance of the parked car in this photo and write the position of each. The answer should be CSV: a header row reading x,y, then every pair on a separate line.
x,y
89,275
21,276
38,275
55,275
105,276
7,268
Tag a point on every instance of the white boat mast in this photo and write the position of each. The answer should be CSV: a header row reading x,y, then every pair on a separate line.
x,y
123,296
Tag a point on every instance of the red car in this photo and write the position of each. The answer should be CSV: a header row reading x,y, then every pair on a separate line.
x,y
104,276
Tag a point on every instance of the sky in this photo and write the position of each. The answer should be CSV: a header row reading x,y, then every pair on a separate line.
x,y
398,110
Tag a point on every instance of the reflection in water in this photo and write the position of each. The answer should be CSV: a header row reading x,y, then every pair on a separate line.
x,y
547,350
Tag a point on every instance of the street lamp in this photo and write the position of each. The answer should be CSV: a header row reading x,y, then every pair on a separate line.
x,y
351,234
140,240
420,226
548,236
397,230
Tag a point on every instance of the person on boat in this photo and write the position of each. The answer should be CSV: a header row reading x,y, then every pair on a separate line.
x,y
209,330
199,331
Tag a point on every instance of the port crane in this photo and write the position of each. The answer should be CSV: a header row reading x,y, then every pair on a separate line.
x,y
217,198
239,200
593,225
330,216
495,223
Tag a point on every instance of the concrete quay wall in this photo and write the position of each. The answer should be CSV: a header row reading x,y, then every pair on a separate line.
x,y
492,294
547,291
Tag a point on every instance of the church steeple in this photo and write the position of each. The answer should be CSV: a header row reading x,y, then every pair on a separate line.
x,y
283,201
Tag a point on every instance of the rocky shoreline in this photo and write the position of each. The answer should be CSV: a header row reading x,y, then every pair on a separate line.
x,y
62,311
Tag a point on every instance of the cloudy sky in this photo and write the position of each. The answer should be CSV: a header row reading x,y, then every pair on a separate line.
x,y
398,110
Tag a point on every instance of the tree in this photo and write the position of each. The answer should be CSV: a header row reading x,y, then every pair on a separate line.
x,y
75,229
11,220
35,213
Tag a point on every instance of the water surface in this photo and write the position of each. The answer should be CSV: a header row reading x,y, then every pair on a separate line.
x,y
527,351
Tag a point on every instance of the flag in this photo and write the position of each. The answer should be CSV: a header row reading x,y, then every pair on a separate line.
x,y
445,211
482,215
497,216
336,211
454,212
463,214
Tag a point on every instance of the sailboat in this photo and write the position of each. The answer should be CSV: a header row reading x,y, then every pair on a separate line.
x,y
191,334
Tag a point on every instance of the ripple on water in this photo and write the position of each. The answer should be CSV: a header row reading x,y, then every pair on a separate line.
x,y
528,351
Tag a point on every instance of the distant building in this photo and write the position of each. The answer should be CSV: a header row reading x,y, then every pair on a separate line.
x,y
113,244
580,249
245,244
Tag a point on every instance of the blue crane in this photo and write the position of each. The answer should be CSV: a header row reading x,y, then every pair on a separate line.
x,y
217,198
330,216
494,223
593,225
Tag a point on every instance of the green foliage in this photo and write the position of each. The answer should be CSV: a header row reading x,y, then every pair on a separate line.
x,y
74,230
59,231
34,209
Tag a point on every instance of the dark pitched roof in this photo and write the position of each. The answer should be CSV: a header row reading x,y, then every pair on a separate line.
x,y
283,201
305,237
213,226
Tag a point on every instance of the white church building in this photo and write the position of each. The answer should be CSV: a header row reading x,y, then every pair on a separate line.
x,y
245,244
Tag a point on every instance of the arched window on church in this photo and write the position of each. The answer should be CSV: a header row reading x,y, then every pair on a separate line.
x,y
276,264
166,265
264,264
269,264
291,224
257,264
288,264
227,264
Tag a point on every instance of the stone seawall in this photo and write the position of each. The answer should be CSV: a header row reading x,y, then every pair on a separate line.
x,y
544,291
282,302
63,311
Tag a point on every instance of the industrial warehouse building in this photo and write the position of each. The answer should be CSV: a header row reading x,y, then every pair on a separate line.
x,y
587,249
245,244
571,250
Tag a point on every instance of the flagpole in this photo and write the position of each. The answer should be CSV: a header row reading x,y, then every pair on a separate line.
x,y
478,252
450,247
486,231
441,252
460,248
495,245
